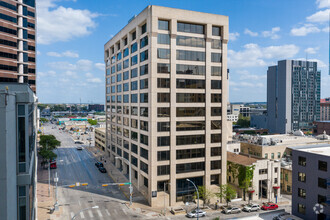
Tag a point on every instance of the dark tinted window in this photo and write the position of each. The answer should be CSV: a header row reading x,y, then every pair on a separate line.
x,y
190,28
163,25
163,39
190,55
190,69
215,31
163,67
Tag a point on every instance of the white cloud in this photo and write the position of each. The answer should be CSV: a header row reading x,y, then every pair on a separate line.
x,y
326,29
54,54
319,17
254,55
244,75
272,34
85,65
323,3
51,73
311,50
57,23
70,54
304,30
89,75
251,33
38,52
233,36
94,80
100,66
62,65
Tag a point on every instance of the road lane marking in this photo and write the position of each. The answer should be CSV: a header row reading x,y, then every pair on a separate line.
x,y
115,211
99,212
124,211
90,213
108,213
82,215
72,214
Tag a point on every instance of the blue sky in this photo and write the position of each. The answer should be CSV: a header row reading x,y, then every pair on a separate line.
x,y
72,33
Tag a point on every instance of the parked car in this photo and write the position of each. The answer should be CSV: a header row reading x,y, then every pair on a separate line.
x,y
231,210
269,206
251,207
195,213
99,164
79,148
78,142
102,169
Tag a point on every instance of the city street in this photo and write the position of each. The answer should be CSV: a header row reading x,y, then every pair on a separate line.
x,y
78,166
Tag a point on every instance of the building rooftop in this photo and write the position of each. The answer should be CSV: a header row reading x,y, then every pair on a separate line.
x,y
241,159
280,140
321,149
100,129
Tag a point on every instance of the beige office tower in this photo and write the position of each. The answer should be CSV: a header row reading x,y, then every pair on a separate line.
x,y
166,97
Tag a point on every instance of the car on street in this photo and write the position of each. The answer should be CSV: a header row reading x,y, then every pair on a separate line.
x,y
102,170
251,207
195,213
231,210
269,206
99,164
79,148
78,142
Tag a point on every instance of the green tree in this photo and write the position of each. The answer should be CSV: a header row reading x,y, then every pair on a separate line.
x,y
227,192
49,142
43,120
245,177
92,122
204,194
243,122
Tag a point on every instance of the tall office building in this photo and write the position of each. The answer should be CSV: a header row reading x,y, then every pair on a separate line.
x,y
166,97
17,42
18,116
293,96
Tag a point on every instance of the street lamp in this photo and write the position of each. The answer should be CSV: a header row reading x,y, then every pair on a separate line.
x,y
94,207
197,196
49,163
165,196
130,179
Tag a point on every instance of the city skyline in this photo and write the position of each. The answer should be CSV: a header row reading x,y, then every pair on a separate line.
x,y
66,71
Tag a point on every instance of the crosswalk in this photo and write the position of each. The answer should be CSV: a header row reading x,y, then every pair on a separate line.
x,y
100,213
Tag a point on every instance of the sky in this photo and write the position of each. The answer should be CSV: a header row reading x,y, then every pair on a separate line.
x,y
72,33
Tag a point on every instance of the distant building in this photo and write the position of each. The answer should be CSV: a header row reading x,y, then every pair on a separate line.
x,y
258,121
96,107
311,181
18,127
325,109
321,126
266,177
100,138
293,96
232,117
234,110
286,178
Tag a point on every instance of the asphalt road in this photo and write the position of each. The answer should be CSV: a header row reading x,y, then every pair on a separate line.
x,y
79,166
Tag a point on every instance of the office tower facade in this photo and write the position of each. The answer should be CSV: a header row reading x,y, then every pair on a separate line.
x,y
166,97
311,181
293,96
18,116
17,42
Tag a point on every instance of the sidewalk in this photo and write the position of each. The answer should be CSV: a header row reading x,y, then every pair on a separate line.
x,y
140,204
45,202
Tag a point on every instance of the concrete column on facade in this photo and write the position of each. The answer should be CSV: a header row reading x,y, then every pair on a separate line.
x,y
224,95
173,34
208,36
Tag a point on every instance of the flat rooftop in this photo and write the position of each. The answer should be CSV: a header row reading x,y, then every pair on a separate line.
x,y
320,149
240,159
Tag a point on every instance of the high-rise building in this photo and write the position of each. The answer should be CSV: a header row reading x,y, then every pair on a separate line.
x,y
18,116
17,42
311,181
293,96
166,101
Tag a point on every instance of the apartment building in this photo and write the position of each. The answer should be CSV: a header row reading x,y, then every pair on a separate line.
x,y
325,111
293,96
265,183
311,181
165,93
18,116
17,42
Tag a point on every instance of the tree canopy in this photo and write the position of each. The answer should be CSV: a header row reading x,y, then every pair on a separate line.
x,y
227,192
49,141
92,122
